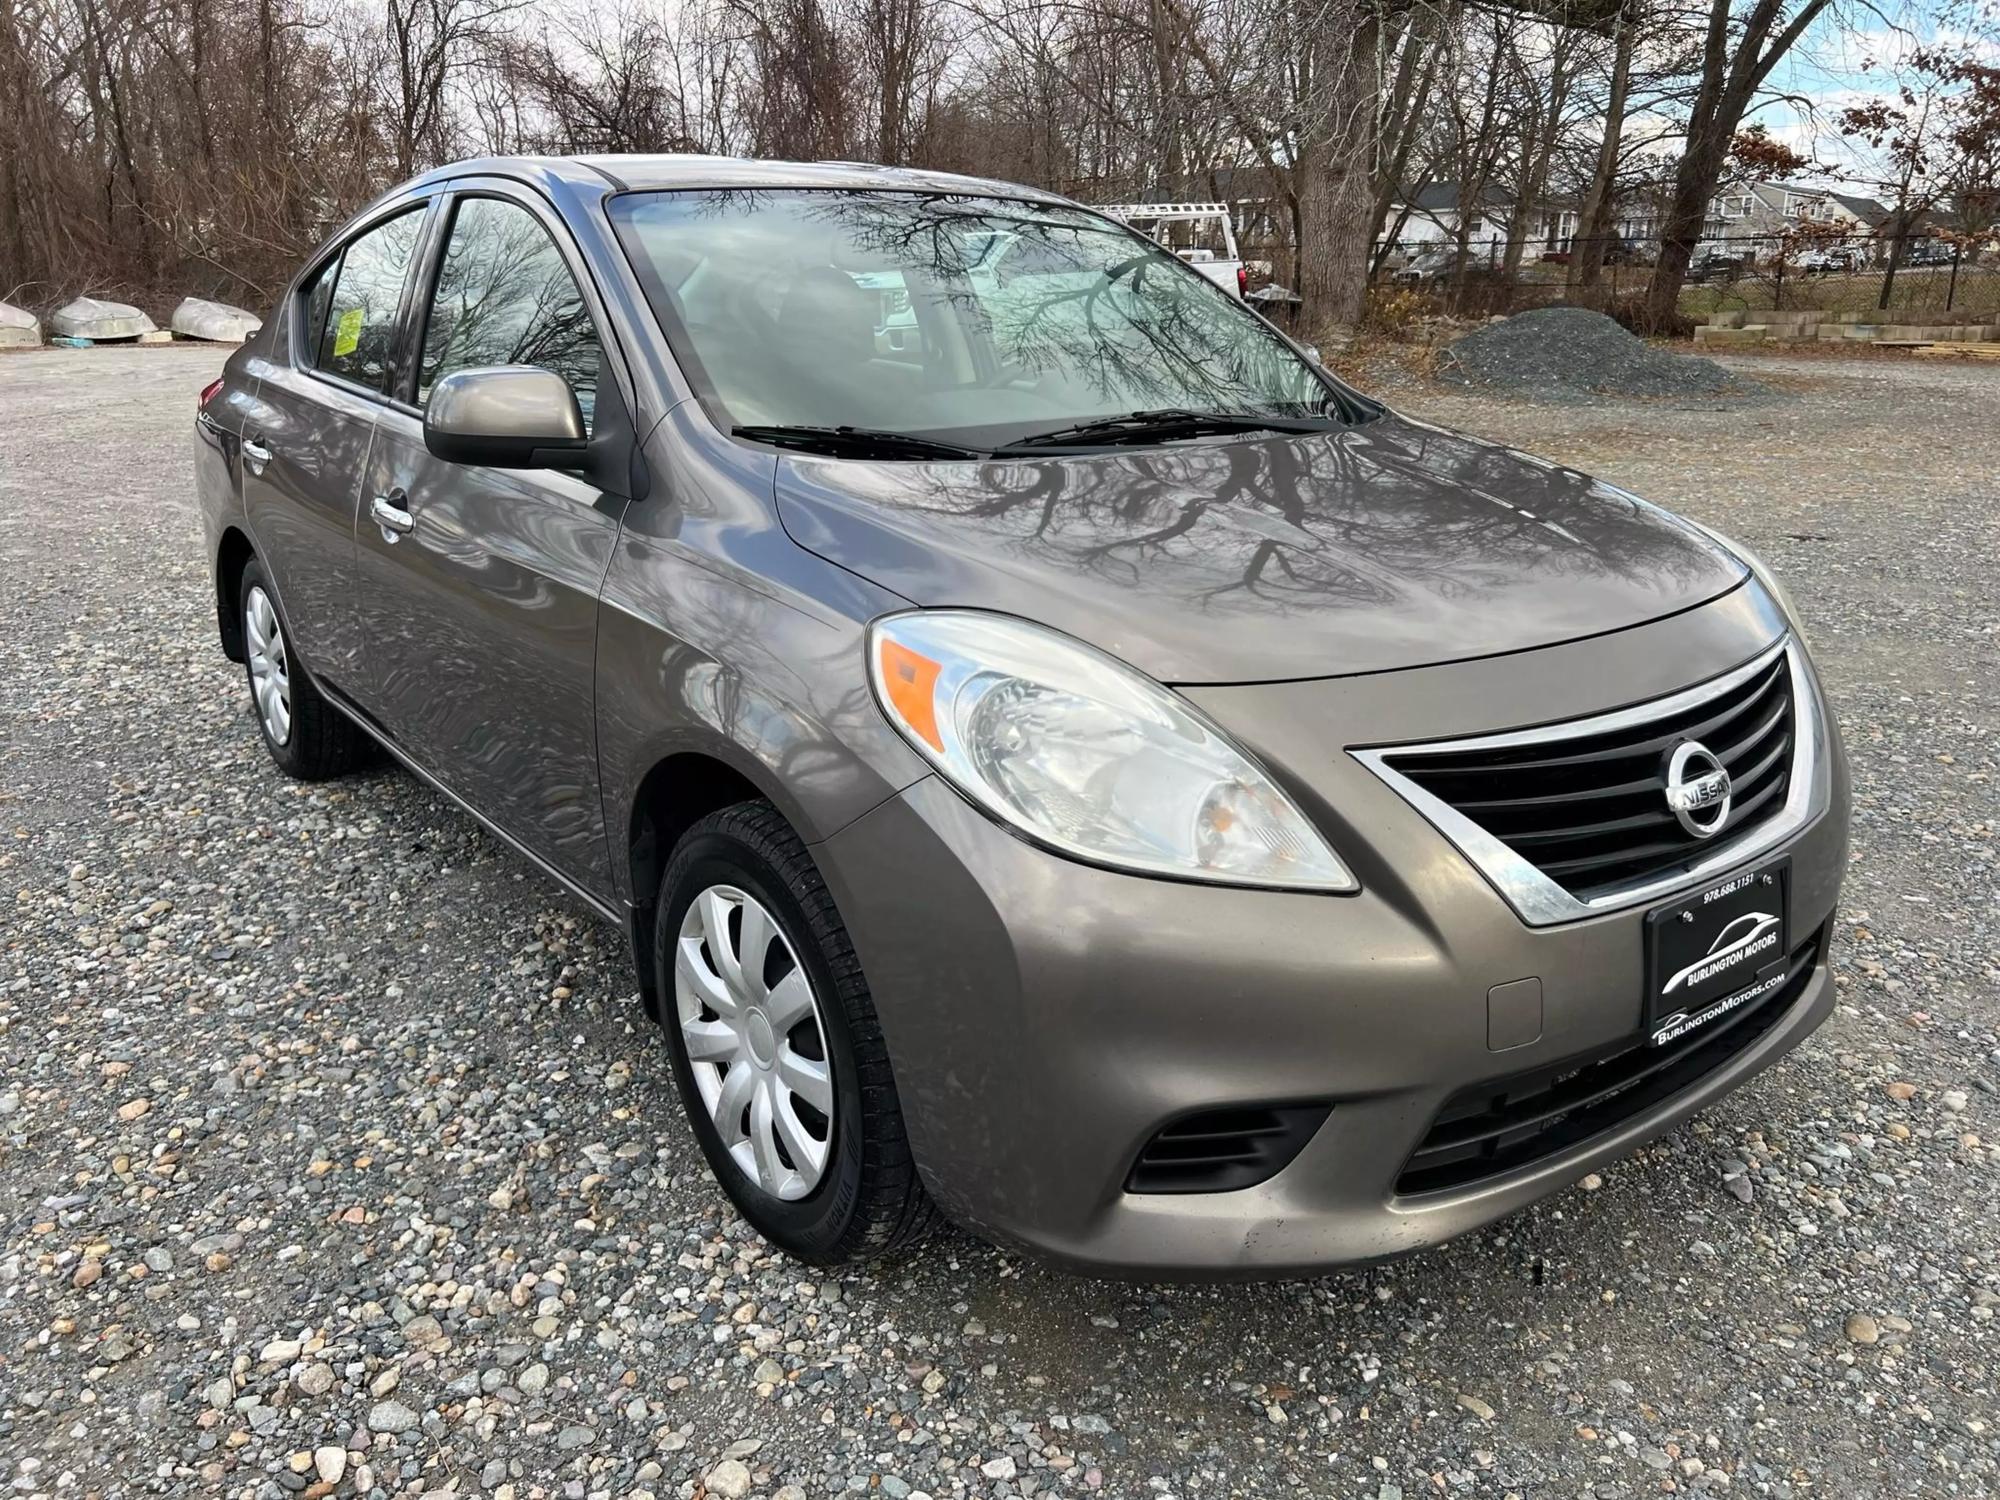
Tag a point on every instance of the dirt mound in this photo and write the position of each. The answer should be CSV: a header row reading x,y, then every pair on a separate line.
x,y
1571,353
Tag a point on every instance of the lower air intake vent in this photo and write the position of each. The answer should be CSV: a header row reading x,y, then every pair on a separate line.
x,y
1512,1123
1220,1150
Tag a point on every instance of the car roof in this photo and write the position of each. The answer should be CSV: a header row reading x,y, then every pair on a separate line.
x,y
665,170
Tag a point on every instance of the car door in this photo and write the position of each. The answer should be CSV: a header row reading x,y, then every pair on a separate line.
x,y
479,586
307,438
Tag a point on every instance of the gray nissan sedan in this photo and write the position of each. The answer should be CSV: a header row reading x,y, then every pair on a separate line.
x,y
1062,759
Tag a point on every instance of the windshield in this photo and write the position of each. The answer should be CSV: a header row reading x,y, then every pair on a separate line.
x,y
976,321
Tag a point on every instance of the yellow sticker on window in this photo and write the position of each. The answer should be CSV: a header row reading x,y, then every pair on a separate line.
x,y
347,333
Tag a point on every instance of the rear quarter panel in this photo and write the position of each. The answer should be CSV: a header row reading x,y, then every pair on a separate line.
x,y
218,432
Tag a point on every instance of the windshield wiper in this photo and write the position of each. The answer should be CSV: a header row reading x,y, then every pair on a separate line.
x,y
1168,422
856,442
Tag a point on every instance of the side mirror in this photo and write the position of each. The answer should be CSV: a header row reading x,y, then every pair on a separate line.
x,y
506,417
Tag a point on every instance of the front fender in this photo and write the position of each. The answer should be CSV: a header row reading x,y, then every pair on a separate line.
x,y
718,635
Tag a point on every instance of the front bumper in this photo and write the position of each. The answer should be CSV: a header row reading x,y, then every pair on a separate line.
x,y
1046,1018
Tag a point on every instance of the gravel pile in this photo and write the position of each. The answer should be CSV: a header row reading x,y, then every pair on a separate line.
x,y
336,1158
1568,353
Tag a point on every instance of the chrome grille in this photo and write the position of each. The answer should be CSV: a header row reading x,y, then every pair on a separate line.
x,y
1573,818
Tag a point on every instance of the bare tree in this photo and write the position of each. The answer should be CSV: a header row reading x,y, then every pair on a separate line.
x,y
1419,50
1599,200
1742,41
1935,141
205,144
1544,66
1308,117
603,82
432,43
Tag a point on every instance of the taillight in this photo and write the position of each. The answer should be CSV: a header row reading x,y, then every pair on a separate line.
x,y
1242,280
208,393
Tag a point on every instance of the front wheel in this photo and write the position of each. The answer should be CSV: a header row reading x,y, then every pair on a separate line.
x,y
776,1047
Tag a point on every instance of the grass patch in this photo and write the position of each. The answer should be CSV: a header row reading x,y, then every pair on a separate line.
x,y
1918,289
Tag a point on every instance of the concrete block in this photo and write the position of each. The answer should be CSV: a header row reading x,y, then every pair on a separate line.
x,y
1730,319
1932,332
1751,335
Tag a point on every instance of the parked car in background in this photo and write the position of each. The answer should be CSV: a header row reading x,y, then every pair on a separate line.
x,y
1064,759
1710,264
1434,263
1928,252
1201,234
1824,259
1617,252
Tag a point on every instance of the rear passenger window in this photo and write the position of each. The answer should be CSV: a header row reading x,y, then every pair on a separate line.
x,y
359,330
505,297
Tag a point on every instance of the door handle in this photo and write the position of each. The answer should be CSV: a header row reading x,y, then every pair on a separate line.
x,y
255,455
388,513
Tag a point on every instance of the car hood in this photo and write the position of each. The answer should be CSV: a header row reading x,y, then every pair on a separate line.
x,y
1390,544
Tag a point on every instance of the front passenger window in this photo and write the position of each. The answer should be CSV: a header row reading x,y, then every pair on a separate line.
x,y
505,297
360,328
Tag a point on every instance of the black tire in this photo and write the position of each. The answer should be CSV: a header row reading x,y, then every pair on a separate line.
x,y
869,1201
321,742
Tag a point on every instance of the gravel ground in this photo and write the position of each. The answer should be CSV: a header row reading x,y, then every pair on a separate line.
x,y
336,1156
1573,354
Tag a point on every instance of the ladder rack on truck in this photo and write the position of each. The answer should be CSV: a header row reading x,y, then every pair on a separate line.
x,y
1223,266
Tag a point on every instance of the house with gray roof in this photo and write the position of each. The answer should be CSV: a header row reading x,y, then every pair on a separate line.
x,y
1432,213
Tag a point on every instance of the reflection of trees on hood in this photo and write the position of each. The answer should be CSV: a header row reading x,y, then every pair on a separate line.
x,y
1355,517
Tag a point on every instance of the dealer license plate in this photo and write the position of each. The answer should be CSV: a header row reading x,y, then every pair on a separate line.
x,y
1714,951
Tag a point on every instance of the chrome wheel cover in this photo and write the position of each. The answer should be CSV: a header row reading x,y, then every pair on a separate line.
x,y
270,665
751,1025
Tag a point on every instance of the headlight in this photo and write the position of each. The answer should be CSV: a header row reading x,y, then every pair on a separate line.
x,y
1087,756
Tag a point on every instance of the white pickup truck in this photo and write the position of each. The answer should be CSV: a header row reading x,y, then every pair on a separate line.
x,y
1202,234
